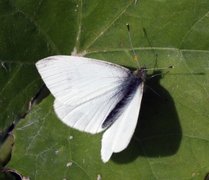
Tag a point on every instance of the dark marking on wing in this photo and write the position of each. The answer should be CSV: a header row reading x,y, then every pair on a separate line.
x,y
125,93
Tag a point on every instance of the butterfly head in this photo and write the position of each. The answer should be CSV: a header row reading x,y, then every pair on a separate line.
x,y
141,73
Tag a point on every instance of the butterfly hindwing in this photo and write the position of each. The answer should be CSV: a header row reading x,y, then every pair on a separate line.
x,y
118,136
89,115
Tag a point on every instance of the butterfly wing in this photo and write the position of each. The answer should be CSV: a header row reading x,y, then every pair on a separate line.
x,y
87,116
85,90
118,136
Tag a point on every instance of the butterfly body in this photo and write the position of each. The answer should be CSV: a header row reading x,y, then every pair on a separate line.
x,y
93,96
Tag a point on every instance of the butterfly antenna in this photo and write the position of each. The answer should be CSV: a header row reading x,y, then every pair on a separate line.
x,y
163,68
156,57
135,57
153,50
160,73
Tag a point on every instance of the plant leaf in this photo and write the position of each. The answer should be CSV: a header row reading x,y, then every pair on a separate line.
x,y
171,140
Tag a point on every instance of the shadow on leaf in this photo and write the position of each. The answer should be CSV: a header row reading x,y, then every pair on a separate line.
x,y
158,132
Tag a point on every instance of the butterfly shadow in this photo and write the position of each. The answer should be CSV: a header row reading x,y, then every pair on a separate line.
x,y
158,132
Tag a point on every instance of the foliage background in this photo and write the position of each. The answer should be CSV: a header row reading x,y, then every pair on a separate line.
x,y
171,139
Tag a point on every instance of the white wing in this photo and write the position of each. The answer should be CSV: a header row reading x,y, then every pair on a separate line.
x,y
87,116
118,136
83,88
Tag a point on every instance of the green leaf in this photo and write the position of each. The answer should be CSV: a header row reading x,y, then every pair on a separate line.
x,y
29,31
171,139
5,149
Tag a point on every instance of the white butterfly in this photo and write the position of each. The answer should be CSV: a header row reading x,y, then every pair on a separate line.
x,y
93,95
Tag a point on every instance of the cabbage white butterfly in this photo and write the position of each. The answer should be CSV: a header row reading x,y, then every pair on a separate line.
x,y
93,95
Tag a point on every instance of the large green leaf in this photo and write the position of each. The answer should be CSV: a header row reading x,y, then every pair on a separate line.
x,y
171,140
29,31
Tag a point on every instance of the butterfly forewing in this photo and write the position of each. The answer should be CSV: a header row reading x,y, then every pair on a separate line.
x,y
86,90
